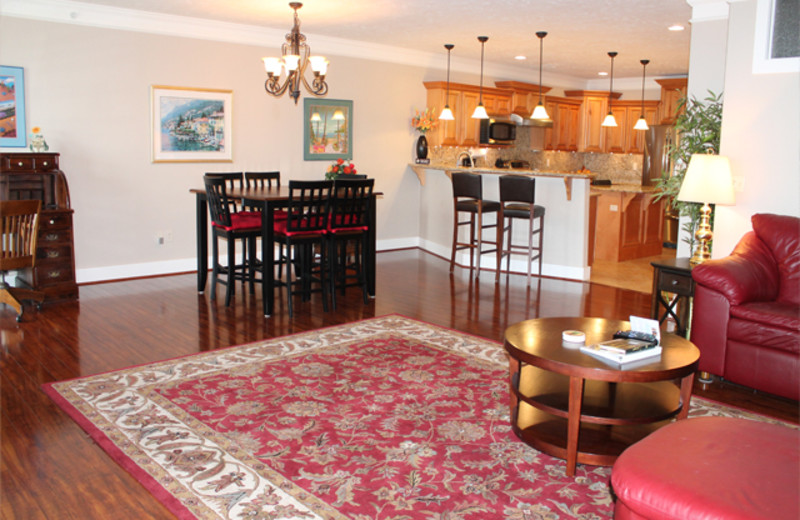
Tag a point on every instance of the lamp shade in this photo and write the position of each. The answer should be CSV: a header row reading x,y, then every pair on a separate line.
x,y
708,180
480,112
609,120
540,113
447,114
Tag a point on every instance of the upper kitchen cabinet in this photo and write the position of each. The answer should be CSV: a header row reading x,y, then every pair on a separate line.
x,y
566,116
524,96
463,130
672,90
594,108
623,138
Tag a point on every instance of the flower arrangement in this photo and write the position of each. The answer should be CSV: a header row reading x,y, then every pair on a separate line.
x,y
423,121
340,167
38,144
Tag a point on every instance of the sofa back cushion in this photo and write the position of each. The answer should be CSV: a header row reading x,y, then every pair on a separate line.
x,y
781,234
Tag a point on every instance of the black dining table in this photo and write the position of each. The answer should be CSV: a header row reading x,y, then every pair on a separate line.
x,y
270,198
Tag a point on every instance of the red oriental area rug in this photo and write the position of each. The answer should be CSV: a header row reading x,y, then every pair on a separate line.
x,y
387,418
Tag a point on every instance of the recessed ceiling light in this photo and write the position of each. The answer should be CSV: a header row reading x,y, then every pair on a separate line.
x,y
676,27
602,73
520,57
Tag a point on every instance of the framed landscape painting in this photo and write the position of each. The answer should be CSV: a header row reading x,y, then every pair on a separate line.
x,y
327,129
12,107
191,124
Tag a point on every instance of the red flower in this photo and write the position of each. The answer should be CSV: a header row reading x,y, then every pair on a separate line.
x,y
340,161
347,169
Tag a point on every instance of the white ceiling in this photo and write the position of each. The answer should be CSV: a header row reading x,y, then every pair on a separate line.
x,y
580,32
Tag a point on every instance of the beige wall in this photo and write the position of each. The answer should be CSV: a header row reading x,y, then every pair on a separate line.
x,y
760,134
89,91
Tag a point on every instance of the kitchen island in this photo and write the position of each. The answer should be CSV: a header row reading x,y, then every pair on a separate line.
x,y
565,196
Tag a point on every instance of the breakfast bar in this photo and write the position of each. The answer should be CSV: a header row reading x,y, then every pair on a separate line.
x,y
565,195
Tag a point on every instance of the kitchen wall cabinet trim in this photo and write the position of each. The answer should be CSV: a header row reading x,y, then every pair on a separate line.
x,y
672,90
524,96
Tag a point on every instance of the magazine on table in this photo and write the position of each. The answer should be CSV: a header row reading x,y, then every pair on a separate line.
x,y
639,343
596,350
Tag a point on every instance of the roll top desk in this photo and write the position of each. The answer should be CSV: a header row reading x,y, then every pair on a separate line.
x,y
37,176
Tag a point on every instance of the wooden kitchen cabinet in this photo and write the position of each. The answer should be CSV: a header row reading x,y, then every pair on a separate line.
x,y
628,225
672,91
623,138
524,96
565,132
37,176
594,107
463,130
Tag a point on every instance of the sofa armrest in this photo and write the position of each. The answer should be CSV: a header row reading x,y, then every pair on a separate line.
x,y
748,274
709,332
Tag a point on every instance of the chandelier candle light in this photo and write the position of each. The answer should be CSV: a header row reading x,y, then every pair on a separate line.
x,y
609,120
295,59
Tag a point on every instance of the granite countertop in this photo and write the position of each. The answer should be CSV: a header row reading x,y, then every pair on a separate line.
x,y
625,188
503,171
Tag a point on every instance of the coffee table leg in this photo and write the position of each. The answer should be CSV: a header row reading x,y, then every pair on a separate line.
x,y
513,381
574,422
686,395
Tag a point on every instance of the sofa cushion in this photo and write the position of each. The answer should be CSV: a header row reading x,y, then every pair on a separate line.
x,y
781,233
769,324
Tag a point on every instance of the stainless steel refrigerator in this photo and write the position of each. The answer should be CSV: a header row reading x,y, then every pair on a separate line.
x,y
657,163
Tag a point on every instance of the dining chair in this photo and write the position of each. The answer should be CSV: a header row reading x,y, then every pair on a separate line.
x,y
264,180
517,196
468,198
19,227
243,226
348,234
301,238
233,180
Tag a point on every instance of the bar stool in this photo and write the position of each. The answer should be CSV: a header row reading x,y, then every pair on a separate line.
x,y
468,198
517,195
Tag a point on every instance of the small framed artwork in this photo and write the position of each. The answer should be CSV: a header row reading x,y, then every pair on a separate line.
x,y
12,107
328,129
191,124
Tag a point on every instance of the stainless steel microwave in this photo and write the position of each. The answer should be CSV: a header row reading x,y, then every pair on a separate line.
x,y
493,131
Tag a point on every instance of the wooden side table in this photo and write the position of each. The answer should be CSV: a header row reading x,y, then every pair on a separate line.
x,y
672,276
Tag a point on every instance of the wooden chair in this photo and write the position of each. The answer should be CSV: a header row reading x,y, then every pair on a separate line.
x,y
233,180
262,179
232,226
349,226
468,198
517,196
19,226
303,231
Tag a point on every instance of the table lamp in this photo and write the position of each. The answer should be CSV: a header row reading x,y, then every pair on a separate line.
x,y
707,181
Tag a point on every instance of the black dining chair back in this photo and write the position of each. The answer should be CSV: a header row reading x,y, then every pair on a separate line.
x,y
233,180
262,179
308,206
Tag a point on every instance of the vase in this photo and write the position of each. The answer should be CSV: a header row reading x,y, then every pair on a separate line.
x,y
422,147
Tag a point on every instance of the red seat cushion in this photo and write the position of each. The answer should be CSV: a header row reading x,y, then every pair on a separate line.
x,y
710,467
243,221
280,229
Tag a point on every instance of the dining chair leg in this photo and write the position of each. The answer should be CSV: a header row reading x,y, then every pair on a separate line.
x,y
498,245
455,241
215,266
530,247
541,244
231,281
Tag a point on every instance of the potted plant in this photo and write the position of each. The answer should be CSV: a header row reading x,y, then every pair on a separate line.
x,y
698,131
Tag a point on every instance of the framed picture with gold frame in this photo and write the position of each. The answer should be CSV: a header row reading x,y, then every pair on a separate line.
x,y
191,124
327,129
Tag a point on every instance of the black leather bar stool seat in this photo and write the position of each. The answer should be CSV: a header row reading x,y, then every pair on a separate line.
x,y
517,196
468,198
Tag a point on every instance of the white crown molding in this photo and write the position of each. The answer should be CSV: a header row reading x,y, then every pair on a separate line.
x,y
101,16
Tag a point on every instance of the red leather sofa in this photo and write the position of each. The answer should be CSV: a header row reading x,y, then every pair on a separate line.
x,y
746,319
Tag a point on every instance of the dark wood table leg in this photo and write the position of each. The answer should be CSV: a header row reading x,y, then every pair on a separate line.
x,y
372,249
267,259
574,422
202,241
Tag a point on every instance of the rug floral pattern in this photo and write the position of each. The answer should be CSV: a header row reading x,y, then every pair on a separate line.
x,y
388,418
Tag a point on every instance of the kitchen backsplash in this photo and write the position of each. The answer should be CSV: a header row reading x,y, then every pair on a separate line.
x,y
618,168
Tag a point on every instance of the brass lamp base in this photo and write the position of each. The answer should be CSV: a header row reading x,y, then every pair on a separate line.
x,y
703,235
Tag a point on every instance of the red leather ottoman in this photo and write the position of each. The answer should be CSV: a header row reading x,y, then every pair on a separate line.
x,y
710,467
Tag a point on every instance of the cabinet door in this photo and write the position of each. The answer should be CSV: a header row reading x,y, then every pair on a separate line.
x,y
467,128
617,136
570,130
551,135
593,112
669,105
637,136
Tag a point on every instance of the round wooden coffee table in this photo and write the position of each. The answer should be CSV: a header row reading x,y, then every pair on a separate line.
x,y
573,406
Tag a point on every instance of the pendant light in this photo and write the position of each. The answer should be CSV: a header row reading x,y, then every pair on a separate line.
x,y
480,110
540,112
447,114
641,124
609,120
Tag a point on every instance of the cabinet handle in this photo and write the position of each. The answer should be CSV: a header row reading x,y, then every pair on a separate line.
x,y
674,282
53,253
50,237
45,163
19,164
52,221
54,274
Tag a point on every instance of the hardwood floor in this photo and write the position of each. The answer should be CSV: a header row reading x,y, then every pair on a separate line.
x,y
52,470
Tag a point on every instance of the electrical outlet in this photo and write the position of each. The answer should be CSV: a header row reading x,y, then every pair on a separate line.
x,y
160,240
613,207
